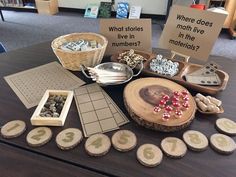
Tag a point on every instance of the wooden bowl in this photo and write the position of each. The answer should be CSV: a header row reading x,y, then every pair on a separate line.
x,y
140,97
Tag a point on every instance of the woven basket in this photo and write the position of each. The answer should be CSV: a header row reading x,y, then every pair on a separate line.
x,y
73,59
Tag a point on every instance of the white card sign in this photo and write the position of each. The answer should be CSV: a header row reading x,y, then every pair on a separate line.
x,y
124,34
191,32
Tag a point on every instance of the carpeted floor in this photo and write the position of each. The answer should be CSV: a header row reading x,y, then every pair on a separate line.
x,y
23,29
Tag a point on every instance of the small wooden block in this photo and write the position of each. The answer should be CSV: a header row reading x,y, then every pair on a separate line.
x,y
173,147
39,136
124,140
13,129
149,155
222,143
69,138
226,126
195,140
97,145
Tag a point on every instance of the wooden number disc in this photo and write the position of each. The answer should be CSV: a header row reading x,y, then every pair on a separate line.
x,y
226,126
140,97
149,155
222,143
195,140
97,145
173,147
13,129
124,140
69,138
39,136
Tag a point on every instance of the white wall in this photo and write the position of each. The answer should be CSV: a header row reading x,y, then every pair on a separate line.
x,y
157,7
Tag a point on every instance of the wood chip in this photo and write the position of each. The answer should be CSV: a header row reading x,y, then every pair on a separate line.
x,y
173,147
226,126
149,155
195,140
124,140
39,136
222,143
69,138
98,145
13,129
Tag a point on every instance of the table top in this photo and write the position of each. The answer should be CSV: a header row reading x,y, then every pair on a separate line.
x,y
206,163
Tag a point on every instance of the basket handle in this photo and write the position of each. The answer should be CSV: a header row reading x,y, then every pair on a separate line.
x,y
140,70
83,68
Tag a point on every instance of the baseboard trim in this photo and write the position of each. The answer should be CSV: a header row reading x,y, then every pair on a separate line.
x,y
19,9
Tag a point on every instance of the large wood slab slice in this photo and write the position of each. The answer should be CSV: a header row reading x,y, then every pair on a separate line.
x,y
140,97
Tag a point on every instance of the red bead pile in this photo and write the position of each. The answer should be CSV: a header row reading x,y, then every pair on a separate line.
x,y
173,106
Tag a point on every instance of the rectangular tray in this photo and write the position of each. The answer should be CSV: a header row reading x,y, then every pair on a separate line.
x,y
36,119
184,68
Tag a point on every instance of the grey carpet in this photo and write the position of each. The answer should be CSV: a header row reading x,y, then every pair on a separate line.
x,y
22,29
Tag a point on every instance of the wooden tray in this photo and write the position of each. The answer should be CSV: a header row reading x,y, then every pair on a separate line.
x,y
184,68
140,107
37,120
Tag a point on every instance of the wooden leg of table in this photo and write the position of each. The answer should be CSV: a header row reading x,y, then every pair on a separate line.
x,y
1,15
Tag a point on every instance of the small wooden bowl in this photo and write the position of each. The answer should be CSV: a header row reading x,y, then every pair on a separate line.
x,y
209,113
221,111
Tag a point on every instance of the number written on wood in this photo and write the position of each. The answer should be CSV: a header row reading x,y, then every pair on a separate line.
x,y
228,125
97,143
123,138
173,142
38,136
148,153
194,138
222,142
14,127
69,137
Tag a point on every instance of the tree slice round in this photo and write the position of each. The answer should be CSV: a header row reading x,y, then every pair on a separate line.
x,y
140,97
69,138
226,126
173,147
39,136
13,129
97,145
124,140
222,143
195,140
149,155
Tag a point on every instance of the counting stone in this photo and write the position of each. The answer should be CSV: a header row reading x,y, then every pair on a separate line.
x,y
13,129
97,145
124,140
226,126
149,155
69,138
222,143
173,147
195,140
39,136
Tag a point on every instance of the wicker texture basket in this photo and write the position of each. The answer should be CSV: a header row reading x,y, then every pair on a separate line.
x,y
73,59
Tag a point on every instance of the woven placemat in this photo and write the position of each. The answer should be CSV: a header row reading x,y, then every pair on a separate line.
x,y
30,85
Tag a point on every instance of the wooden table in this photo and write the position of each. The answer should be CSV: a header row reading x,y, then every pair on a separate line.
x,y
203,164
